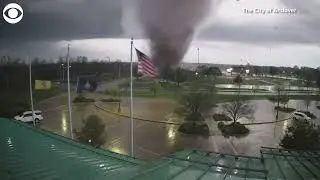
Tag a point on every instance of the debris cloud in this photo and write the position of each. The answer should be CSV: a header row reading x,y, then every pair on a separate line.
x,y
170,26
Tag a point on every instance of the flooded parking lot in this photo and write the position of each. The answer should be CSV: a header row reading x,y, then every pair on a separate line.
x,y
155,139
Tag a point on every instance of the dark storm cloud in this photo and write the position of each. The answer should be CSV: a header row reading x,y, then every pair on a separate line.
x,y
301,28
262,34
64,20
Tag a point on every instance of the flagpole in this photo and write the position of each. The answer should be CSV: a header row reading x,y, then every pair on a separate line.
x,y
31,94
131,101
198,56
69,94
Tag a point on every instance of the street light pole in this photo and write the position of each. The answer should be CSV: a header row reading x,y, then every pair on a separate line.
x,y
62,72
131,100
119,71
69,94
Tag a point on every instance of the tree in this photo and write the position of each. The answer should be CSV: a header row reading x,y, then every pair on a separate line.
x,y
273,70
181,76
257,70
238,80
168,74
318,79
302,135
125,85
283,99
212,71
237,110
307,102
194,104
92,133
192,107
155,87
280,97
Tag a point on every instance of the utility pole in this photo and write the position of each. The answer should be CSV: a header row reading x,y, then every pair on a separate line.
x,y
69,94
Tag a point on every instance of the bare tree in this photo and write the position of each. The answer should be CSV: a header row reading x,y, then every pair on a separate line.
x,y
280,97
238,80
238,109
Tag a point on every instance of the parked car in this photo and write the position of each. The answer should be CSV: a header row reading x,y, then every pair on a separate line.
x,y
303,115
27,116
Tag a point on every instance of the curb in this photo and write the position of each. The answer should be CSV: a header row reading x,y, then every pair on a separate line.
x,y
270,122
173,123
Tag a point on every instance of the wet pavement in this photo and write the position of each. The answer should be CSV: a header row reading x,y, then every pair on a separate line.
x,y
154,139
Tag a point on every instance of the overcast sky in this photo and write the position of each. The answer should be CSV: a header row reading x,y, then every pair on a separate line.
x,y
101,29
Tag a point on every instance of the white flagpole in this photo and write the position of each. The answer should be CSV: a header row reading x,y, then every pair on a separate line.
x,y
198,56
69,94
31,94
131,102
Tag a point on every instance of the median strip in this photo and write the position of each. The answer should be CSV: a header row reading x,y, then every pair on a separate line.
x,y
269,122
174,123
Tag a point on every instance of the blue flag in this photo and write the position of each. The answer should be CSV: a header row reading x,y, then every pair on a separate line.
x,y
86,84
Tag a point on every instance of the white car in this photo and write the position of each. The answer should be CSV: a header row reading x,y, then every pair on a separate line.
x,y
27,116
301,115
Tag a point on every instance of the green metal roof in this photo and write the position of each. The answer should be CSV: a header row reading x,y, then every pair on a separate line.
x,y
29,153
199,165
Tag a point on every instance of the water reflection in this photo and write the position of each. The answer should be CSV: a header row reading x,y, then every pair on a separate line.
x,y
117,150
171,134
64,125
167,137
285,126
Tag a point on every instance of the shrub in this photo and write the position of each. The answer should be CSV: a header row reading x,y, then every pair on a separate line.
x,y
194,128
234,129
302,135
82,99
284,109
110,100
221,117
220,125
92,133
309,114
112,92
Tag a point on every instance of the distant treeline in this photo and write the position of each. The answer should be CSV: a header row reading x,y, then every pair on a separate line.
x,y
14,71
15,76
306,73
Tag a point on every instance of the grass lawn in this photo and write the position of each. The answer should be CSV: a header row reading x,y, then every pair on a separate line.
x,y
14,102
225,80
242,89
40,95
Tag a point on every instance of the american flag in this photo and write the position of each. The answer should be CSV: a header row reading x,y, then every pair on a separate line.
x,y
145,65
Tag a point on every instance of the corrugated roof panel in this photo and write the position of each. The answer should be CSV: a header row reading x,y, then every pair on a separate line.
x,y
194,165
28,153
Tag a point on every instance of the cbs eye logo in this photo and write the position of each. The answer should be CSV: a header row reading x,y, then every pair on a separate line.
x,y
12,13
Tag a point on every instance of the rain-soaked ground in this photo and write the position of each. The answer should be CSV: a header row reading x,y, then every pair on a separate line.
x,y
154,139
